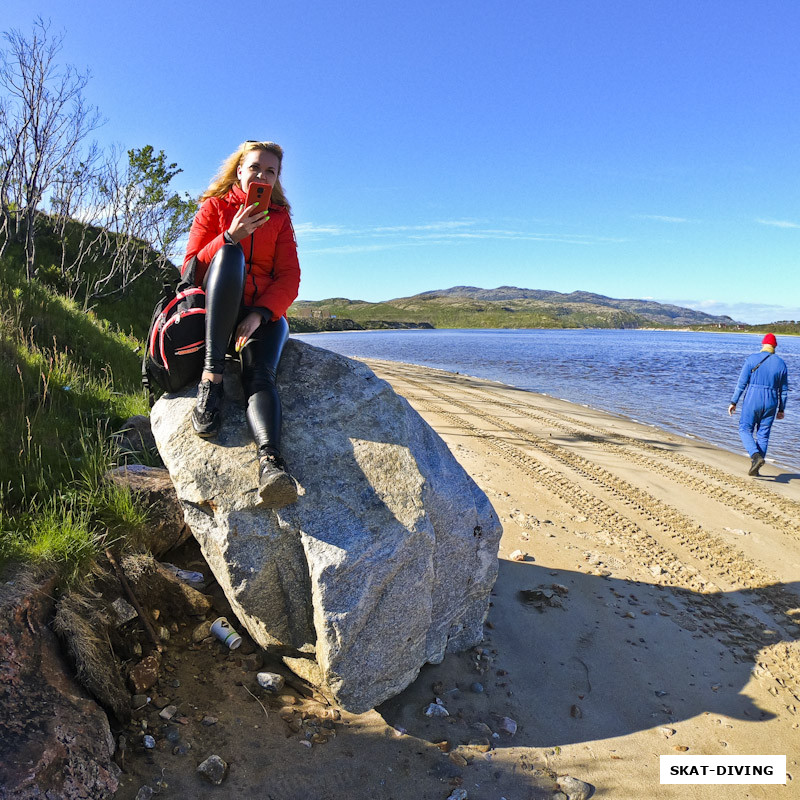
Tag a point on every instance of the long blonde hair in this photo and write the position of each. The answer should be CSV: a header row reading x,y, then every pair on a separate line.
x,y
226,178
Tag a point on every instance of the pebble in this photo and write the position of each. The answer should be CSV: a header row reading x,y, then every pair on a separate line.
x,y
507,726
271,681
668,731
125,612
436,710
168,712
458,794
163,633
172,734
575,789
139,700
181,749
145,793
481,727
209,721
517,555
144,674
214,769
202,631
476,687
149,742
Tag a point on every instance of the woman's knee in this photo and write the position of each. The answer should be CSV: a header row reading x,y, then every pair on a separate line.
x,y
227,269
259,380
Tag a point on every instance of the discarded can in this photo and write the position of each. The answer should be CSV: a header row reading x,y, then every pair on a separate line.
x,y
222,629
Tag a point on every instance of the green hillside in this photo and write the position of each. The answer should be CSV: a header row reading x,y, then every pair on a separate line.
x,y
68,379
511,307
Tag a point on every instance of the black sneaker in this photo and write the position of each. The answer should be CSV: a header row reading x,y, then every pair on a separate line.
x,y
757,461
276,486
205,415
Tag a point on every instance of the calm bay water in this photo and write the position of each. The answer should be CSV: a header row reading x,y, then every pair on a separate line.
x,y
673,379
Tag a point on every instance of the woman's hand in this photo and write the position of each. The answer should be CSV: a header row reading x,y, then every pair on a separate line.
x,y
246,328
246,221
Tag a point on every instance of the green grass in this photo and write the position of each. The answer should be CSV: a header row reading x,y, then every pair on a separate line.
x,y
68,380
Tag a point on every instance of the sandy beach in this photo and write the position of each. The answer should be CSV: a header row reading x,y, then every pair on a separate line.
x,y
655,611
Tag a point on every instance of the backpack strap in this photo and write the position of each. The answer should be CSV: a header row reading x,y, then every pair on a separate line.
x,y
168,292
759,363
188,274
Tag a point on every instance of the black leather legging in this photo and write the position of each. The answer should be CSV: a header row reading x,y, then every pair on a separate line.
x,y
224,286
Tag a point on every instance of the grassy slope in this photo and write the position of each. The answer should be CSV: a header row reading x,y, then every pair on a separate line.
x,y
67,379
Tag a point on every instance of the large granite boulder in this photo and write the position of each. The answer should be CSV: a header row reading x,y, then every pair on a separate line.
x,y
387,559
55,741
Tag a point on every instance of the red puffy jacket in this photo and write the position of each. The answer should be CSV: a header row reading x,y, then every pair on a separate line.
x,y
273,271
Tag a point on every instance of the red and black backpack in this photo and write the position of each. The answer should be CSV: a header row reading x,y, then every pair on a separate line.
x,y
176,341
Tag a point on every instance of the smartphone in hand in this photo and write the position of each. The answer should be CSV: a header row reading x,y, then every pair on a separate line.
x,y
259,192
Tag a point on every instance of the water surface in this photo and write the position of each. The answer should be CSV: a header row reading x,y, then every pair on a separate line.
x,y
677,380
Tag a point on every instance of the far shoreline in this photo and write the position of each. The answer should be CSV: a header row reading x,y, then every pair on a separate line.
x,y
676,426
563,330
594,409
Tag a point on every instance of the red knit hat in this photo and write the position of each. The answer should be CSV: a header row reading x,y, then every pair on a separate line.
x,y
770,339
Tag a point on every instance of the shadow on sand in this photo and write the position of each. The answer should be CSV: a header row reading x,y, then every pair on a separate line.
x,y
574,658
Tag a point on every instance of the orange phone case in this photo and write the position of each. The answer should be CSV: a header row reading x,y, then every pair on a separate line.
x,y
259,192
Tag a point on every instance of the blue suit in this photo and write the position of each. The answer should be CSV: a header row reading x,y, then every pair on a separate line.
x,y
766,380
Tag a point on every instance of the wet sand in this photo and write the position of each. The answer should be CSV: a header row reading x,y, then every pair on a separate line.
x,y
656,612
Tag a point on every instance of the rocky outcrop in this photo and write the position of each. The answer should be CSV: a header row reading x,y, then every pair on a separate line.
x,y
55,741
166,528
387,559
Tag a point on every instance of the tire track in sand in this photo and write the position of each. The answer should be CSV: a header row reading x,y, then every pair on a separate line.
x,y
780,511
788,517
719,557
775,658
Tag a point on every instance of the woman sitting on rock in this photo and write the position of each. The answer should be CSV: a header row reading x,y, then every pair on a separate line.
x,y
245,257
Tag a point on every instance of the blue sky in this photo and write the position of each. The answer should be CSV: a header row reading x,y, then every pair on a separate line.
x,y
629,148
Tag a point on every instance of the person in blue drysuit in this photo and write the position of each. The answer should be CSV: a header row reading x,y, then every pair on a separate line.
x,y
765,377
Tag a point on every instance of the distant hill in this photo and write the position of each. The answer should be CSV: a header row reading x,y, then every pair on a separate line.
x,y
513,307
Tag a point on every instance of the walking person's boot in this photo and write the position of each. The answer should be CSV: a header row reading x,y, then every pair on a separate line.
x,y
756,462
